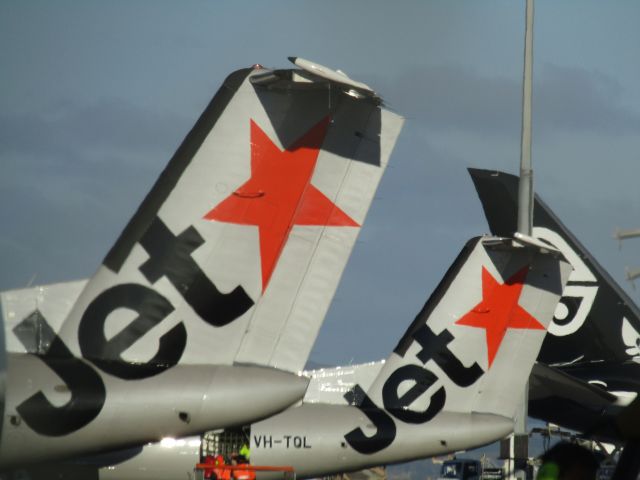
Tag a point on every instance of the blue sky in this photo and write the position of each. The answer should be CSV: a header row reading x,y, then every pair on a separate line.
x,y
96,96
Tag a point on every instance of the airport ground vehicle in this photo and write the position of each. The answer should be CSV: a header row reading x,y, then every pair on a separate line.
x,y
468,469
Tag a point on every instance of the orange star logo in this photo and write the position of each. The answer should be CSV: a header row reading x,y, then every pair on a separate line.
x,y
499,310
279,194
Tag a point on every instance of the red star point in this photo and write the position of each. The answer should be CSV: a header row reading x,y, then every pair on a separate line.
x,y
499,310
279,194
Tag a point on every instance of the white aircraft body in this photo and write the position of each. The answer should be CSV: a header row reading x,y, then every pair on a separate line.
x,y
454,381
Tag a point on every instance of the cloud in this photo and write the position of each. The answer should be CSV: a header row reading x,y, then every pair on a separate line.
x,y
446,98
574,99
104,126
72,177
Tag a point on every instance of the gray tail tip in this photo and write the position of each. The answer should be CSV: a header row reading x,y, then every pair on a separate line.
x,y
292,59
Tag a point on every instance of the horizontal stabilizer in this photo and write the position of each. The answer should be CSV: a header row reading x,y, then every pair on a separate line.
x,y
548,382
559,398
25,310
329,74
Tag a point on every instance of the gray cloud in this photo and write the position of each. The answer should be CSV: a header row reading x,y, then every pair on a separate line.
x,y
461,99
72,177
105,125
575,99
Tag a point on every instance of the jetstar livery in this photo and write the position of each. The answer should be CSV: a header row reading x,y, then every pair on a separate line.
x,y
589,365
450,384
205,309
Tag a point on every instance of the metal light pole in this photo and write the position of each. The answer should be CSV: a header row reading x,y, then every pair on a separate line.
x,y
519,442
525,188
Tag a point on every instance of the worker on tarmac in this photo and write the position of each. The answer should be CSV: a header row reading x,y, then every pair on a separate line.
x,y
220,469
245,452
210,461
568,461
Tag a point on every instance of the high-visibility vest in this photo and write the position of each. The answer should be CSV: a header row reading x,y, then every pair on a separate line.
x,y
245,452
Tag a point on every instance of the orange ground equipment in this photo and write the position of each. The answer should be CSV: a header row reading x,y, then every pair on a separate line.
x,y
239,472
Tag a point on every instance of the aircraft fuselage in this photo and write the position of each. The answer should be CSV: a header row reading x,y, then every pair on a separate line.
x,y
76,410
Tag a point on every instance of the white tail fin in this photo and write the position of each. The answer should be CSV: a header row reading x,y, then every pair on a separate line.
x,y
235,254
452,383
472,347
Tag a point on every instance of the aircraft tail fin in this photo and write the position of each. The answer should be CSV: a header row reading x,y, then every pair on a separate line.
x,y
473,345
235,254
595,320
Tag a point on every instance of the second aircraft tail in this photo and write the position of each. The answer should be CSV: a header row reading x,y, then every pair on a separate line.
x,y
454,382
473,345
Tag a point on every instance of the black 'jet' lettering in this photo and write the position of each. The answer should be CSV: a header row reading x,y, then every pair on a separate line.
x,y
87,390
152,308
386,429
434,347
170,256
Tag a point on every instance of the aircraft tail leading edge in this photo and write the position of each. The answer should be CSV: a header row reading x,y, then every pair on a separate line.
x,y
596,320
235,254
